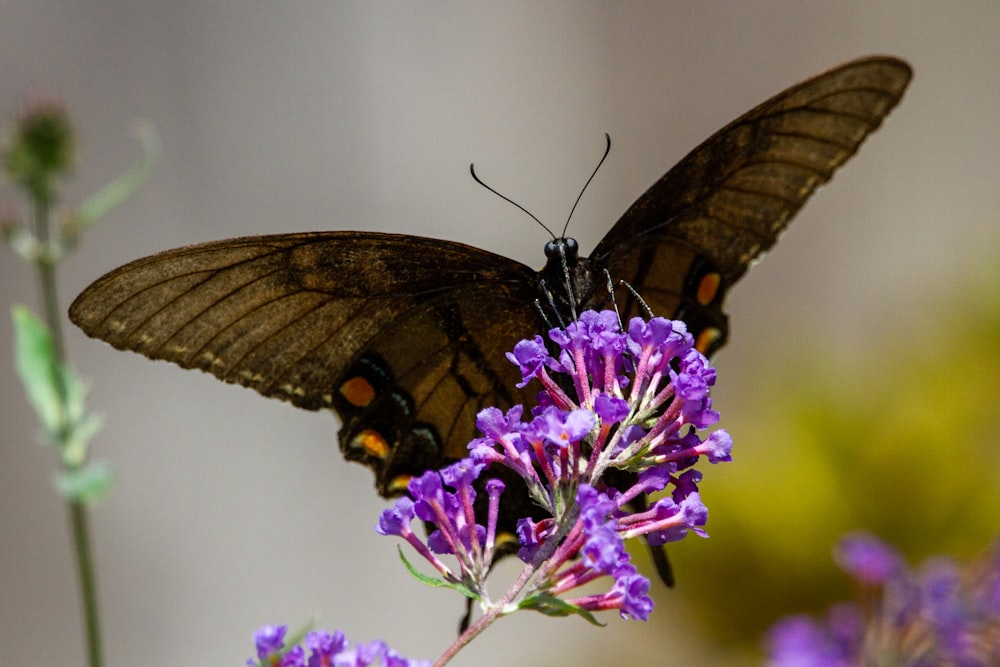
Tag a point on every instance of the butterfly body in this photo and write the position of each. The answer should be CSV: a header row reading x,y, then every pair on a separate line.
x,y
405,337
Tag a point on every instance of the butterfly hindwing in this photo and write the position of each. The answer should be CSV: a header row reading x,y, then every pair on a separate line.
x,y
430,386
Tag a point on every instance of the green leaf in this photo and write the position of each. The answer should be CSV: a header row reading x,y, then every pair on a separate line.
x,y
34,356
77,440
85,485
435,582
117,191
552,606
57,395
80,427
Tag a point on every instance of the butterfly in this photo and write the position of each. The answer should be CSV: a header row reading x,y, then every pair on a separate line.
x,y
405,337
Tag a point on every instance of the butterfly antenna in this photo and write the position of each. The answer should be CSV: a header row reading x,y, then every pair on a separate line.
x,y
472,170
607,149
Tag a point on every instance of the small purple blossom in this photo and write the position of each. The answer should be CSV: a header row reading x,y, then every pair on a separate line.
x,y
719,447
633,589
324,650
560,427
603,548
269,640
628,595
531,535
671,520
868,559
462,474
530,356
610,409
295,657
324,647
496,425
800,641
397,519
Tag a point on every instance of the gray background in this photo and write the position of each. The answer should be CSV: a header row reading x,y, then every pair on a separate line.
x,y
231,511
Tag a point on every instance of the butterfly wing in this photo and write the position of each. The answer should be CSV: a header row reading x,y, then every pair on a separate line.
x,y
403,336
697,230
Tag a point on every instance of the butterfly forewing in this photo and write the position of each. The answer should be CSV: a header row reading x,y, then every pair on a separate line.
x,y
728,200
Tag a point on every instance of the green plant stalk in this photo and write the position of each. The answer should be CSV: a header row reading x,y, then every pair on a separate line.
x,y
79,523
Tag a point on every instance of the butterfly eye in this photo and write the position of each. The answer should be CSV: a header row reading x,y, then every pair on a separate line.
x,y
572,249
567,247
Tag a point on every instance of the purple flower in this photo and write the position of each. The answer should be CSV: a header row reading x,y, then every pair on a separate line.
x,y
603,548
396,520
296,657
610,402
325,650
633,588
324,646
799,641
496,425
610,409
719,447
531,535
531,357
938,615
440,543
606,338
269,640
561,427
686,484
669,521
426,488
462,474
867,558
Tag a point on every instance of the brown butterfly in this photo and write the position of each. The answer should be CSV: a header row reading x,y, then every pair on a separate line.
x,y
404,337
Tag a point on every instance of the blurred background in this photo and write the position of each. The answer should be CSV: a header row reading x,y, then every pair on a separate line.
x,y
860,382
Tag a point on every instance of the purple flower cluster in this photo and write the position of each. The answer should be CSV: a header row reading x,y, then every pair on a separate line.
x,y
640,399
325,650
633,401
942,614
454,515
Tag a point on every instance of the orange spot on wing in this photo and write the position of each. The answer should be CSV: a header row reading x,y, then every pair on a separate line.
x,y
372,443
399,484
358,391
708,288
706,338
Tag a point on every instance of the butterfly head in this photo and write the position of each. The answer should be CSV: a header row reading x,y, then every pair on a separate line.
x,y
560,250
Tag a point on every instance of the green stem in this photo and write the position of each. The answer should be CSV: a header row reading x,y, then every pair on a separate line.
x,y
45,264
47,282
88,582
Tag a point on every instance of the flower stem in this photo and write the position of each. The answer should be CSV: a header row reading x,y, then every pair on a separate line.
x,y
487,619
45,266
88,582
